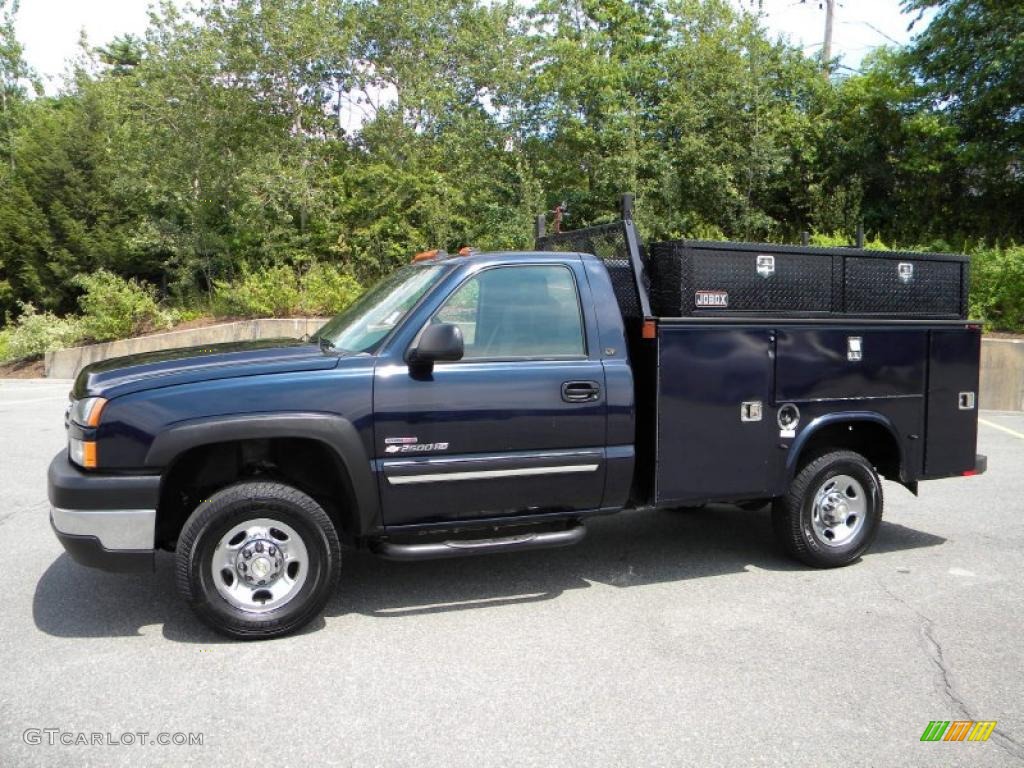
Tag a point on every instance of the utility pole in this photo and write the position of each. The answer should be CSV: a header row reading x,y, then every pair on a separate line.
x,y
826,50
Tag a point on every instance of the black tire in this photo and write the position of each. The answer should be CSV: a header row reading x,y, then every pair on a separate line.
x,y
233,506
794,520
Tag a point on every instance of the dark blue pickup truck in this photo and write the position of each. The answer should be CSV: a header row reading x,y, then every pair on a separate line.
x,y
491,402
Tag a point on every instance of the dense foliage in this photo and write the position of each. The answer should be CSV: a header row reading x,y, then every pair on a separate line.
x,y
270,156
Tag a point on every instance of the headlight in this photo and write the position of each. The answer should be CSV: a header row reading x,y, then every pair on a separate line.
x,y
86,412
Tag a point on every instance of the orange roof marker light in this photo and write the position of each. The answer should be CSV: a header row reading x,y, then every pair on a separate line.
x,y
468,250
426,255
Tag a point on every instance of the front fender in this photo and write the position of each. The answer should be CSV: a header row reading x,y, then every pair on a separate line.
x,y
336,432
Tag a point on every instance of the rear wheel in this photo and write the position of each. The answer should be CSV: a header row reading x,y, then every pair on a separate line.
x,y
258,560
832,511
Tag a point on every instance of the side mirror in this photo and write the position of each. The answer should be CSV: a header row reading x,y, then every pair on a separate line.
x,y
442,341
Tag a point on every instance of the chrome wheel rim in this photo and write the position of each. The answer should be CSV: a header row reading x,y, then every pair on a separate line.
x,y
839,511
259,565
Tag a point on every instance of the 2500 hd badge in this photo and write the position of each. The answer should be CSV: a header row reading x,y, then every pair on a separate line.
x,y
409,445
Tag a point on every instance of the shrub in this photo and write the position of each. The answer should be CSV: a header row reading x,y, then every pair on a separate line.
x,y
326,290
115,308
279,292
266,292
997,287
34,333
841,241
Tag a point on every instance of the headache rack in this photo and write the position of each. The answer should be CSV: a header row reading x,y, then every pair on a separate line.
x,y
698,278
619,247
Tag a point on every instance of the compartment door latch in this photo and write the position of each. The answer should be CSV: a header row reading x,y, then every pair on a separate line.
x,y
765,265
751,411
854,349
966,401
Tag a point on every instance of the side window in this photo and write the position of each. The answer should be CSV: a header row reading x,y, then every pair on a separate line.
x,y
529,311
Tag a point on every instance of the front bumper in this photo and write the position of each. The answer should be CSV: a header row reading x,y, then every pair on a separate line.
x,y
103,521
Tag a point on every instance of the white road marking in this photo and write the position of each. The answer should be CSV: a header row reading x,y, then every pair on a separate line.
x,y
1001,428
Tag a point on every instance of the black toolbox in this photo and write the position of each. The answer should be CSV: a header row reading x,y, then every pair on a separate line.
x,y
699,278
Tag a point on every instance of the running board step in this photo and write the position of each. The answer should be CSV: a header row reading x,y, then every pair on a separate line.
x,y
461,547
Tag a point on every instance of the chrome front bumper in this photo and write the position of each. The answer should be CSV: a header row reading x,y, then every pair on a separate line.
x,y
103,521
116,529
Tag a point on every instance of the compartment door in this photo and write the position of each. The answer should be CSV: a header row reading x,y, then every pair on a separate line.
x,y
711,445
952,427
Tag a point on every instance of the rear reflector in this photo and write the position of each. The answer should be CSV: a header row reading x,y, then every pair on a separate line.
x,y
969,472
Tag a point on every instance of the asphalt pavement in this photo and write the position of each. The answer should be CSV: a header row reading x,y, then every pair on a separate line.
x,y
665,638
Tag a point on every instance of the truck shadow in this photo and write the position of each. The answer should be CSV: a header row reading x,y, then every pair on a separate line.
x,y
625,550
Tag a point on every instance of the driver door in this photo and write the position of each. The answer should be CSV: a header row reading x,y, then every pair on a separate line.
x,y
515,427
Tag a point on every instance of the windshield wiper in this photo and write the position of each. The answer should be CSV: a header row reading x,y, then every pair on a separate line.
x,y
325,343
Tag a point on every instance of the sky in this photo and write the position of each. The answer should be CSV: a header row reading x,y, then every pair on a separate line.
x,y
859,25
49,29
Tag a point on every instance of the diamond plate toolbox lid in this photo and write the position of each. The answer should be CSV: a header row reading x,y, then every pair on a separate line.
x,y
700,278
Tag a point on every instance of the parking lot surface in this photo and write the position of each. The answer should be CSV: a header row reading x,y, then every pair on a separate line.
x,y
665,638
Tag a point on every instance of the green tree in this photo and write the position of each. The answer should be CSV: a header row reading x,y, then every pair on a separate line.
x,y
970,59
16,79
885,157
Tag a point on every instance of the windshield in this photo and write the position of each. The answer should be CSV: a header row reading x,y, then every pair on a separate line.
x,y
363,324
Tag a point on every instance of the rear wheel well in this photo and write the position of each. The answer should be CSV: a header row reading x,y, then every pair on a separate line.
x,y
872,440
309,465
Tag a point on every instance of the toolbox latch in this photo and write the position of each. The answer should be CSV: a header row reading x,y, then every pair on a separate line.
x,y
854,349
751,411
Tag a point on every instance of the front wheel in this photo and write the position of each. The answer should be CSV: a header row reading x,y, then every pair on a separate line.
x,y
832,511
258,560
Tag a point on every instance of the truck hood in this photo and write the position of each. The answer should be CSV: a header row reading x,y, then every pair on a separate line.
x,y
165,368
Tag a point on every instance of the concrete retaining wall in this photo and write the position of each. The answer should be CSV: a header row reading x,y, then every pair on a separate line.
x,y
1002,360
66,363
1002,375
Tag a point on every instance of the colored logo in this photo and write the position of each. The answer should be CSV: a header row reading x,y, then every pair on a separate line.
x,y
958,730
